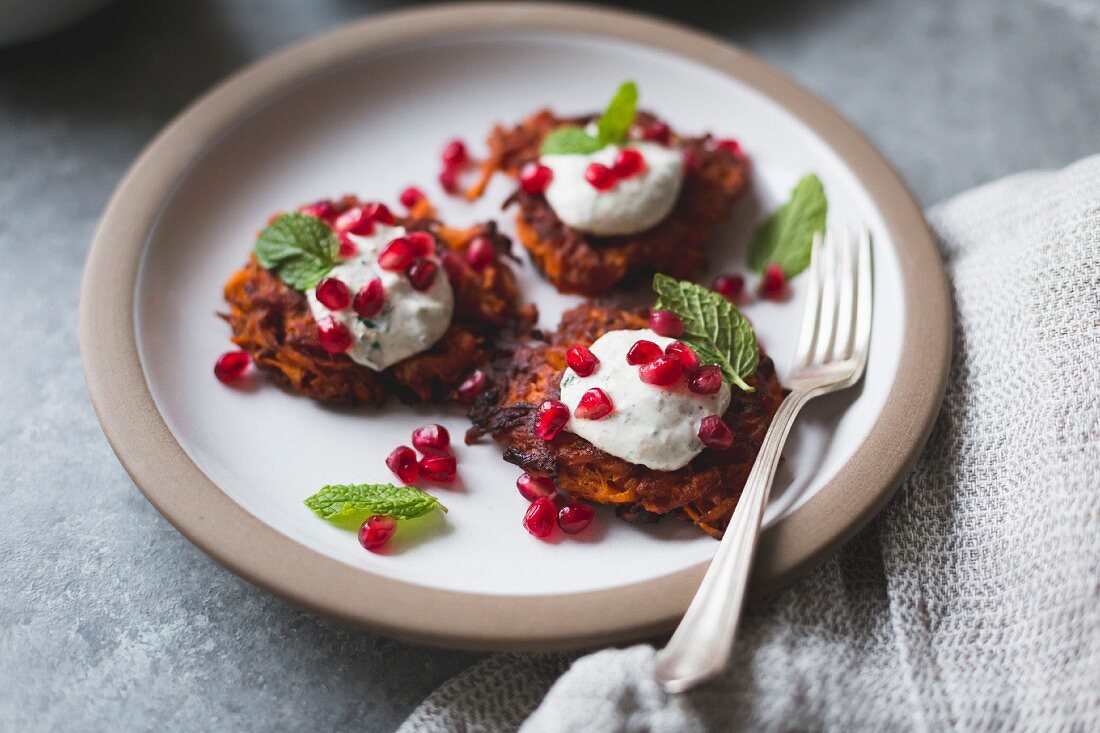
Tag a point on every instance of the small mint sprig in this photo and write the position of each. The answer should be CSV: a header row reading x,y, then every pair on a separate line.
x,y
347,502
786,237
300,249
611,128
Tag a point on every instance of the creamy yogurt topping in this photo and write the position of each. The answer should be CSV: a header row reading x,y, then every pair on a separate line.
x,y
410,320
633,205
653,426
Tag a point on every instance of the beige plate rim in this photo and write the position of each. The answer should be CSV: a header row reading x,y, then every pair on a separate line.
x,y
257,552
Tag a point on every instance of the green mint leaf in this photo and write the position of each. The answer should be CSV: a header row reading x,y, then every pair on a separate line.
x,y
786,236
616,120
569,141
713,327
299,248
343,501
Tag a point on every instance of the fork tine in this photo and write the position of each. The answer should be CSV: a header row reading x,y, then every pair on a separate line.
x,y
826,318
864,295
846,311
806,334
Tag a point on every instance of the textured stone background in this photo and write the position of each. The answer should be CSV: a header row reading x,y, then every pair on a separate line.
x,y
109,619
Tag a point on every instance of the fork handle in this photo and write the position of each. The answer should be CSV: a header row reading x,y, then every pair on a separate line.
x,y
701,647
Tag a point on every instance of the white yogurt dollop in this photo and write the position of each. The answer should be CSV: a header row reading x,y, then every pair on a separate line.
x,y
632,205
410,320
656,427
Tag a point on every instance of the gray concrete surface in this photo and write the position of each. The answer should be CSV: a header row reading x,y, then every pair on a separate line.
x,y
109,619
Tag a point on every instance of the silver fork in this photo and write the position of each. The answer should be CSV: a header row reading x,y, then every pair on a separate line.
x,y
831,355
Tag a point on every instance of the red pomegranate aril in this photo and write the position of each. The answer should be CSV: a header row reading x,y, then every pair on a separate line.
x,y
333,294
708,380
581,360
411,196
355,221
535,178
377,531
774,283
657,132
692,161
439,467
334,336
422,273
642,352
231,366
480,253
664,371
471,387
540,517
729,286
325,210
368,301
600,177
731,145
714,433
550,419
574,517
533,488
431,437
629,162
594,404
685,354
448,179
423,243
397,255
453,265
666,323
380,213
402,461
455,154
347,246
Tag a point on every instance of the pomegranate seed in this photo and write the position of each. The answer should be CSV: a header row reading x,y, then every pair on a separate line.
x,y
431,437
423,243
454,154
666,323
535,178
380,213
629,162
600,176
347,247
422,273
540,516
325,210
377,531
664,371
731,145
355,221
231,366
594,405
333,294
480,253
714,433
471,387
397,255
453,266
439,467
334,336
729,286
402,461
685,354
642,352
774,284
708,380
692,161
535,487
657,132
575,517
550,419
581,360
411,196
448,179
368,301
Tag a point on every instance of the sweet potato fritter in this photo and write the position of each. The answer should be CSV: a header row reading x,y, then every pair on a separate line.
x,y
273,323
590,265
706,490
